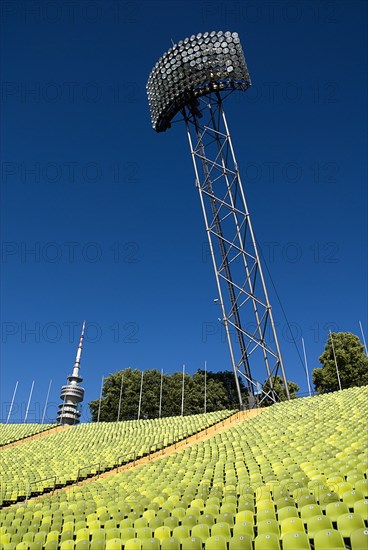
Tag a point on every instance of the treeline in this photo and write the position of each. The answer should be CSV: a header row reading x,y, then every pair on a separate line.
x,y
124,387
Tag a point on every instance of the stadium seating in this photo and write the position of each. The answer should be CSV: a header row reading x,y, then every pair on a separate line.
x,y
275,481
14,432
87,449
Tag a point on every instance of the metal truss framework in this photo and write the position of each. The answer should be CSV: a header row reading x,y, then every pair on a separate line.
x,y
246,311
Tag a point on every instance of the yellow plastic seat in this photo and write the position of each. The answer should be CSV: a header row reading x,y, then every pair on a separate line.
x,y
347,523
318,523
216,542
243,542
328,539
162,532
292,525
294,541
267,542
359,539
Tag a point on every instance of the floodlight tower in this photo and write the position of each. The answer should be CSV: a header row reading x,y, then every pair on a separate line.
x,y
191,79
72,394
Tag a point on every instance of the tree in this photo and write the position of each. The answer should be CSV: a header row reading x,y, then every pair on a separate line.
x,y
217,395
279,388
351,361
227,379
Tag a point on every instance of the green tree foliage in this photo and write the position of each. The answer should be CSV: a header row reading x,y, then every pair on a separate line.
x,y
351,361
279,388
221,394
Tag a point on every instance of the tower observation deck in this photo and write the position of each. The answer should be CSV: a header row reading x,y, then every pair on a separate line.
x,y
72,394
189,82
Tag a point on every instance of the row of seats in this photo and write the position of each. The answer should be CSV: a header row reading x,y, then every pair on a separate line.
x,y
292,477
38,465
14,432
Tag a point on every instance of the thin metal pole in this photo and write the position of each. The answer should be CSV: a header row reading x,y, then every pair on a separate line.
x,y
334,354
364,342
47,399
205,386
160,407
182,393
121,393
140,397
99,405
306,369
29,401
12,401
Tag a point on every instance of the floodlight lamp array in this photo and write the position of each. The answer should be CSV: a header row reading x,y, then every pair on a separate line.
x,y
196,66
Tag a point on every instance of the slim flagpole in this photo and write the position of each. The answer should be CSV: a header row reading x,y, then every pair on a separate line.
x,y
306,369
205,386
29,401
334,354
364,342
140,397
12,401
121,393
160,407
182,393
47,399
99,405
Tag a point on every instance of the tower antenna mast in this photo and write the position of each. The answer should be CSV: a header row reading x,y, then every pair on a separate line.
x,y
72,394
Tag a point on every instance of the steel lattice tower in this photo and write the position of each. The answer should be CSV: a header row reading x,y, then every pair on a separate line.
x,y
191,80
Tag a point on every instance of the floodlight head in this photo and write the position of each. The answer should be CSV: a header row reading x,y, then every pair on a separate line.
x,y
196,66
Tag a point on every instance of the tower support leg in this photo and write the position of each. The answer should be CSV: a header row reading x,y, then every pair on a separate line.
x,y
242,294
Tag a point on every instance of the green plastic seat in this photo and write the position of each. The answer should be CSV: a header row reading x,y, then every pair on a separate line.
x,y
221,530
82,534
133,544
359,539
155,522
140,522
318,523
243,528
124,534
347,523
243,542
67,545
361,508
336,509
114,544
144,533
126,523
52,535
294,541
291,525
150,544
287,512
267,527
309,511
201,531
189,521
191,543
171,522
351,497
169,544
267,542
328,539
216,542
162,532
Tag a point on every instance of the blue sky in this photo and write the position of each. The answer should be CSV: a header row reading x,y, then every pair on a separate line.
x,y
109,207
